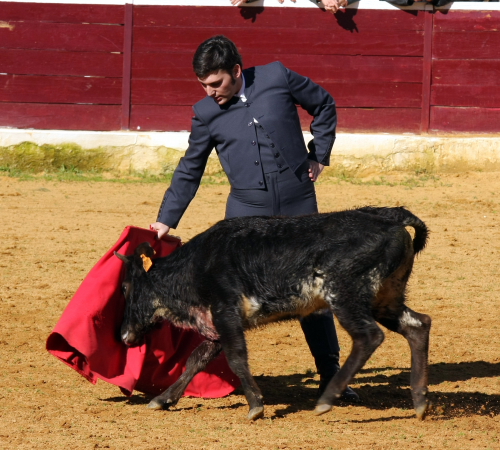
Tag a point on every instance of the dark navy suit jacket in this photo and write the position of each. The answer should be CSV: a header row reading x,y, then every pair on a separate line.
x,y
272,93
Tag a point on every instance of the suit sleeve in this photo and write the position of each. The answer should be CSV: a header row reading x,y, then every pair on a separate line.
x,y
187,176
319,104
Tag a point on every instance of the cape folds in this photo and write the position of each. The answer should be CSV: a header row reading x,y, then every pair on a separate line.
x,y
86,337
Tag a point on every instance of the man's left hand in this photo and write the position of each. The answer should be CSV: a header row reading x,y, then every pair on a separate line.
x,y
315,169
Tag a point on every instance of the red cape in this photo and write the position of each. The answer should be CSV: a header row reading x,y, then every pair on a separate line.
x,y
87,335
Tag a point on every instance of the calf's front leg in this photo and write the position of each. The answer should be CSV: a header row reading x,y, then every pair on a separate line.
x,y
232,338
197,361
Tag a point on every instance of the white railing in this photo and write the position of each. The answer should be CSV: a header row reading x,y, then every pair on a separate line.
x,y
362,4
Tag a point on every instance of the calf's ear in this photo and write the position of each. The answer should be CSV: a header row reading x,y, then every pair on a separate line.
x,y
145,249
145,252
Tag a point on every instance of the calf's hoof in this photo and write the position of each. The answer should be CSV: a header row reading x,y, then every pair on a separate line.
x,y
421,410
153,404
322,409
256,413
157,403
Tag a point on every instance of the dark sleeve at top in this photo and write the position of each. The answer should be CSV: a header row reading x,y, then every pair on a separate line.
x,y
187,176
319,104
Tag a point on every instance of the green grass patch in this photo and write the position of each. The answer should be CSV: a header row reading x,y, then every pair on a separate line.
x,y
70,162
408,181
29,157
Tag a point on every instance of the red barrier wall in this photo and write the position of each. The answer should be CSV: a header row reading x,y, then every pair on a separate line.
x,y
465,94
111,67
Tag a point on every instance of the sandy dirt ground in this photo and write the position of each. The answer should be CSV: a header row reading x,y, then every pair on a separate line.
x,y
52,233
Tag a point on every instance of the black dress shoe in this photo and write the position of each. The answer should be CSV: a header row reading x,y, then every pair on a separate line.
x,y
347,396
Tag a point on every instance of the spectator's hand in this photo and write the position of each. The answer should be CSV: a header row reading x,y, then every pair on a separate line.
x,y
315,169
161,228
330,5
334,5
242,2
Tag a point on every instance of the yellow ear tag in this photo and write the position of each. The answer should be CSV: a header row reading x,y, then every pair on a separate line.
x,y
146,262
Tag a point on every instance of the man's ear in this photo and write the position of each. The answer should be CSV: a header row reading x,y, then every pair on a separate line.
x,y
237,71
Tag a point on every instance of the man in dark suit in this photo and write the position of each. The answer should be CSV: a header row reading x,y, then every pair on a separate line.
x,y
250,117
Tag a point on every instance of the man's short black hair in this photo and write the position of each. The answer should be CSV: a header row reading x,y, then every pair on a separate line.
x,y
216,53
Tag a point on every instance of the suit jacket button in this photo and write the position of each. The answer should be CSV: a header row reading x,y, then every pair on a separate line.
x,y
276,155
247,105
261,183
256,163
279,166
271,145
254,143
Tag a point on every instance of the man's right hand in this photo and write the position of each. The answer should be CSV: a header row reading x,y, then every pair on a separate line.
x,y
160,228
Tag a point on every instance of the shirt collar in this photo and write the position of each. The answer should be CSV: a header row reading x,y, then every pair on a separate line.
x,y
241,92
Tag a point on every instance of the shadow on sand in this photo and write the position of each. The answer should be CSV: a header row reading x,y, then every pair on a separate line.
x,y
377,391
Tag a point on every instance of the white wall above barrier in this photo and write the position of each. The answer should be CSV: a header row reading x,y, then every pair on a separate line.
x,y
362,4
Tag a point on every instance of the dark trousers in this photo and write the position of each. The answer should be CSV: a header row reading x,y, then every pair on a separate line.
x,y
287,194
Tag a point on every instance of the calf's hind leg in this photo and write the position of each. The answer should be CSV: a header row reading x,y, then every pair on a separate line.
x,y
197,361
415,327
366,337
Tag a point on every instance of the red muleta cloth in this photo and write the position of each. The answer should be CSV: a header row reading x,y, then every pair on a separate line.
x,y
87,336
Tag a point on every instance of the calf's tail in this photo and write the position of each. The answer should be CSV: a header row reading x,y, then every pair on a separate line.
x,y
404,217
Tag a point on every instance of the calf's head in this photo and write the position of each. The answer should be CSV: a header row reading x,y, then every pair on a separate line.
x,y
137,289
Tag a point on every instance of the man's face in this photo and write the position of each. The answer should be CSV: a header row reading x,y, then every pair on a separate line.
x,y
221,85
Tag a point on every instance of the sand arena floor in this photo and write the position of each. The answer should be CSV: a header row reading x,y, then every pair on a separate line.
x,y
52,233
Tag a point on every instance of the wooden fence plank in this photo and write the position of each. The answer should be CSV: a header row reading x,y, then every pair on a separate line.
x,y
426,72
368,120
42,89
465,120
469,95
60,117
178,118
356,21
127,65
49,62
381,42
467,21
317,67
358,94
466,72
61,13
161,118
55,36
473,45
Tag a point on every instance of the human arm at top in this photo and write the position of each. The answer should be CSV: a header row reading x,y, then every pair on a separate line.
x,y
334,5
330,5
242,2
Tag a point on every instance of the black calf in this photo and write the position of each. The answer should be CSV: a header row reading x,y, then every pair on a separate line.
x,y
246,272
